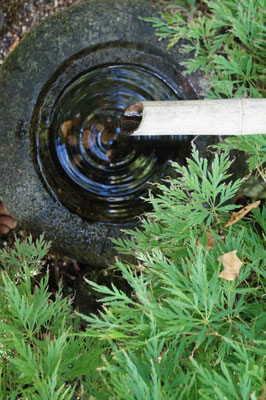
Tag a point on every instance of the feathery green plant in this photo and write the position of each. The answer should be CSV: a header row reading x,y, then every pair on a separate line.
x,y
42,356
185,332
224,39
255,148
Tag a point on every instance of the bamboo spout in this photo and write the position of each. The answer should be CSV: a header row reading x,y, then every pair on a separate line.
x,y
195,117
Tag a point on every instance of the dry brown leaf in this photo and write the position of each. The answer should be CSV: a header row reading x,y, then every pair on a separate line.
x,y
85,140
232,265
109,153
65,128
88,139
236,216
210,240
15,43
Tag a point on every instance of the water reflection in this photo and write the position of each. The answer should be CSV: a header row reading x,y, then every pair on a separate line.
x,y
95,171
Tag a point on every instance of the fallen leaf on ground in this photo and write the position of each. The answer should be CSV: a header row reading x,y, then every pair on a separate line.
x,y
210,240
232,265
236,216
15,43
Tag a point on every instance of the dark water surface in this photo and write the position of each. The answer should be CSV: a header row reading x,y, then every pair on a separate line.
x,y
94,170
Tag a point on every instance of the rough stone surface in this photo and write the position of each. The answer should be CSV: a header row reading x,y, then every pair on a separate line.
x,y
34,64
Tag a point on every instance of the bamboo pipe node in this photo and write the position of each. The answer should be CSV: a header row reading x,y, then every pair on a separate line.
x,y
195,117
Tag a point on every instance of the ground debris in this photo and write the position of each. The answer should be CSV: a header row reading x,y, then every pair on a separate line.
x,y
20,16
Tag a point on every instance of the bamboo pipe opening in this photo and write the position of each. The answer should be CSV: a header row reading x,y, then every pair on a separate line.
x,y
195,117
131,118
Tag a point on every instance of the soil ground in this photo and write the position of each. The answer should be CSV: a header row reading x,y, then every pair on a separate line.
x,y
20,16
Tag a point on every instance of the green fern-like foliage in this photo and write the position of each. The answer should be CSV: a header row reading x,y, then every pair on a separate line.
x,y
255,148
224,39
42,356
185,332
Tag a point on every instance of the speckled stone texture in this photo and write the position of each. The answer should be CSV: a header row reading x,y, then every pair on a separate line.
x,y
89,27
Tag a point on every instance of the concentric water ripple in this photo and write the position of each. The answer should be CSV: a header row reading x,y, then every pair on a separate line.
x,y
95,171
